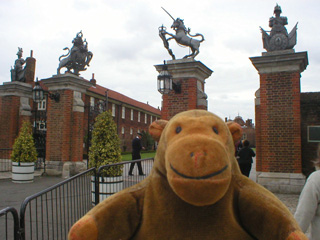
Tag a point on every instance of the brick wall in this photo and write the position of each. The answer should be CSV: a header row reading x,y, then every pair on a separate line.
x,y
174,103
280,122
310,116
59,127
9,120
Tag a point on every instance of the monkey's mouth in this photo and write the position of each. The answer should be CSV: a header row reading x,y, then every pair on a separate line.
x,y
200,177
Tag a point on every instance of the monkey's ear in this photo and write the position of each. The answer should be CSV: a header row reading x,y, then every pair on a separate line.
x,y
156,128
235,130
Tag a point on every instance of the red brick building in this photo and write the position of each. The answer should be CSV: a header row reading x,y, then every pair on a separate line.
x,y
249,132
63,124
130,116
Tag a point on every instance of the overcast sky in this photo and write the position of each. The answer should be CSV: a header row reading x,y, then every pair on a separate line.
x,y
123,37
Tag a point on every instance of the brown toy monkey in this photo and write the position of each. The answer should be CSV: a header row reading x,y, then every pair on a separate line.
x,y
195,191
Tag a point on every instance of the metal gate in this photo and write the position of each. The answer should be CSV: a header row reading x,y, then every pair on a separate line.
x,y
39,114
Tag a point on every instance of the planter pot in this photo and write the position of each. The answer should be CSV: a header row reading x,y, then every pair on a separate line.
x,y
23,173
107,187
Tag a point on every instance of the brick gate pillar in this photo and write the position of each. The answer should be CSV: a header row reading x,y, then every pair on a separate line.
x,y
278,120
14,109
190,75
65,119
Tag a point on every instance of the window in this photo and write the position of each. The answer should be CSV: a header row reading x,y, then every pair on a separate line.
x,y
41,125
131,115
313,133
113,110
145,118
131,131
138,116
42,105
91,101
138,131
123,112
100,103
122,130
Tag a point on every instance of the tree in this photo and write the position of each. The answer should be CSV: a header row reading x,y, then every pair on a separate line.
x,y
24,149
105,145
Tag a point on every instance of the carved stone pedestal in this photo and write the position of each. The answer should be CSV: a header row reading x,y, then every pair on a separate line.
x,y
190,75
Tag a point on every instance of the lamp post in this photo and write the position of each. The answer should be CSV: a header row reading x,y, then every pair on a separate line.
x,y
37,92
165,81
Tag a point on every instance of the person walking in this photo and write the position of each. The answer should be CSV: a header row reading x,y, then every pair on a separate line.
x,y
136,148
308,209
245,156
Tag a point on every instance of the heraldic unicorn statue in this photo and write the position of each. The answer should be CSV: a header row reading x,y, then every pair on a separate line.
x,y
182,37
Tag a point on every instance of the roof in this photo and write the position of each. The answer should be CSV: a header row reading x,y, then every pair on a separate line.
x,y
122,98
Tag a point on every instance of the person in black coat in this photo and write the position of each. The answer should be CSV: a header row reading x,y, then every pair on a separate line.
x,y
136,148
245,155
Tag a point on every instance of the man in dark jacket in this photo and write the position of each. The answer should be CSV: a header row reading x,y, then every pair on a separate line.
x,y
136,148
245,158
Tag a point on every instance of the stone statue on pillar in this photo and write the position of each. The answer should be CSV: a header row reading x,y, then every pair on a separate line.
x,y
18,72
279,39
182,37
77,58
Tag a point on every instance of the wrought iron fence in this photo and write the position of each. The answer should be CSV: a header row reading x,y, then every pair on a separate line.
x,y
5,161
50,213
9,223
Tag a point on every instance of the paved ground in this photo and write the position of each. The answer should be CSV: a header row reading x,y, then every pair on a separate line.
x,y
13,194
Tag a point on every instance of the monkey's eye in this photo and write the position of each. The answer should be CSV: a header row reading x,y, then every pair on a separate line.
x,y
178,129
215,130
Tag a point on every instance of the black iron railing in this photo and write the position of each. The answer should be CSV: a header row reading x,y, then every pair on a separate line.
x,y
9,223
50,213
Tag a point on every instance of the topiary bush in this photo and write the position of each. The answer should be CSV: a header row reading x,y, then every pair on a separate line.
x,y
105,145
24,149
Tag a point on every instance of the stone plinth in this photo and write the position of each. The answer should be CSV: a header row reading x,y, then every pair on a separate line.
x,y
191,75
65,121
278,120
14,109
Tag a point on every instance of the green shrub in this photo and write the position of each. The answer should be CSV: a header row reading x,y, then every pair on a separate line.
x,y
23,149
105,145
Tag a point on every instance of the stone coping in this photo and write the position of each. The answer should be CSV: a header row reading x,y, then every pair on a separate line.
x,y
186,68
19,89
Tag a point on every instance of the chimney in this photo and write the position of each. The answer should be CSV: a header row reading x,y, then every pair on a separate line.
x,y
93,81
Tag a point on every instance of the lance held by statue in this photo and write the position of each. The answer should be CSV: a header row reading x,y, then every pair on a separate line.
x,y
279,39
182,37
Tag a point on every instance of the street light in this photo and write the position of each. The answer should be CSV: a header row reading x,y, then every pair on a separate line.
x,y
38,93
164,80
